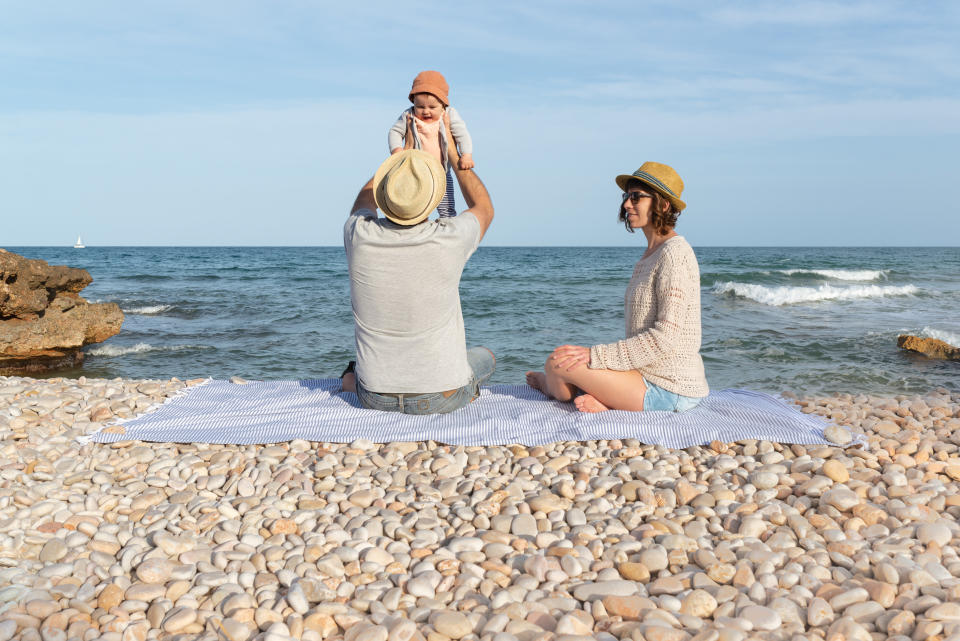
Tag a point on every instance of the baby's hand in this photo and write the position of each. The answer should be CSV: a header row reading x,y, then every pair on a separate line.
x,y
466,161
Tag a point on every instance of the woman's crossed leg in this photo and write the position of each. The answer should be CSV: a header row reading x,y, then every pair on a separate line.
x,y
566,373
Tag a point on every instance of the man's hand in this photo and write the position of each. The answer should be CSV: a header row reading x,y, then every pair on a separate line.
x,y
409,137
453,154
466,161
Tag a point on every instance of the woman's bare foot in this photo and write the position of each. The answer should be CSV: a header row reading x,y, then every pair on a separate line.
x,y
538,381
589,404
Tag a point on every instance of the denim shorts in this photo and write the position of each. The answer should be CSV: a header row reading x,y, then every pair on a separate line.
x,y
482,365
659,399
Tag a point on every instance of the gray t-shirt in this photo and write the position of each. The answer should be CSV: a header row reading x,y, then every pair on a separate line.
x,y
405,292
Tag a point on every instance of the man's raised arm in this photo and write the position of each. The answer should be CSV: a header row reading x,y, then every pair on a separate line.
x,y
365,199
474,192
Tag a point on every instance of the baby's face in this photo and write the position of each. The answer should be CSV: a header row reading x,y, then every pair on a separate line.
x,y
426,107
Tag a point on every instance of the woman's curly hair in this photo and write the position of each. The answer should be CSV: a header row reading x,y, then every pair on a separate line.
x,y
663,213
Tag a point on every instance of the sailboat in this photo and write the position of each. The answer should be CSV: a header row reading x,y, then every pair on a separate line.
x,y
79,244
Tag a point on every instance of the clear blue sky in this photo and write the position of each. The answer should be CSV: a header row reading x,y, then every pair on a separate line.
x,y
255,123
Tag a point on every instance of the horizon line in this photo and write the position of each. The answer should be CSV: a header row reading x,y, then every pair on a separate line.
x,y
637,245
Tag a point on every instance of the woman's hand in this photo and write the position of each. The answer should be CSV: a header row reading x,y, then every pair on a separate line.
x,y
570,357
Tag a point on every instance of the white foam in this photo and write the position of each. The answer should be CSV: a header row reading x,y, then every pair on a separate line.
x,y
139,348
945,336
149,310
842,274
793,295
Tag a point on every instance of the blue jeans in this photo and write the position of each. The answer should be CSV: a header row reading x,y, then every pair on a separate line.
x,y
659,399
482,365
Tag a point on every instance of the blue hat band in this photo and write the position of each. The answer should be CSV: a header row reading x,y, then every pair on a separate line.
x,y
656,181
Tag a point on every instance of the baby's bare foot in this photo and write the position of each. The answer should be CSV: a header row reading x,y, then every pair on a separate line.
x,y
537,380
589,404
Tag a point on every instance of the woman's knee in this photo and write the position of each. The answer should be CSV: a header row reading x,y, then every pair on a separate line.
x,y
553,368
549,365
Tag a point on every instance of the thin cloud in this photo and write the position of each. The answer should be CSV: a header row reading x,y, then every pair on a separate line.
x,y
805,13
669,90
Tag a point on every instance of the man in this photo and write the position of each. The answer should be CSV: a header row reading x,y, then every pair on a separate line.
x,y
404,287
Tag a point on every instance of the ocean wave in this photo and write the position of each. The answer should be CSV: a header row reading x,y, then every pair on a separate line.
x,y
841,274
139,348
792,295
714,276
945,336
148,310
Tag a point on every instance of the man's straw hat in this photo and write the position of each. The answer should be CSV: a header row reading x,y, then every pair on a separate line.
x,y
408,186
659,177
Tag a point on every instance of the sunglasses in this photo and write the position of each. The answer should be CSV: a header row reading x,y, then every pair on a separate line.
x,y
635,196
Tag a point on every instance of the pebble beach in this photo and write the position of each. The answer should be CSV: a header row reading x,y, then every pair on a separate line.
x,y
388,542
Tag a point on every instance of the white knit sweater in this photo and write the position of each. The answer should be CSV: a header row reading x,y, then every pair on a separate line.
x,y
662,309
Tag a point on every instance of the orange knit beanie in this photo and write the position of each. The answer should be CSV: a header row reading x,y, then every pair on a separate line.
x,y
431,82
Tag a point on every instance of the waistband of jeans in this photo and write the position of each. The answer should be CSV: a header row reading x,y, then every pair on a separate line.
x,y
399,395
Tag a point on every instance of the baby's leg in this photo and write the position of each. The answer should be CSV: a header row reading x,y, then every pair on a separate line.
x,y
447,207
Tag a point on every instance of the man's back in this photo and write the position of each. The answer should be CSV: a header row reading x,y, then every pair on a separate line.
x,y
404,288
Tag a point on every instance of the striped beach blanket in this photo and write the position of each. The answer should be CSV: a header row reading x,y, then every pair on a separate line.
x,y
315,410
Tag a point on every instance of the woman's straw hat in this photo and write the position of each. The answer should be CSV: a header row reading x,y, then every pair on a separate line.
x,y
659,177
408,186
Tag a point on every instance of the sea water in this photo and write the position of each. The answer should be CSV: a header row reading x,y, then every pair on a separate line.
x,y
808,320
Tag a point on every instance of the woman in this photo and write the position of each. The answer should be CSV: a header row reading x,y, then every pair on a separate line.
x,y
658,365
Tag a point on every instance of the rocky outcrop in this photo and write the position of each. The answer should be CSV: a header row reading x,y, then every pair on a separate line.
x,y
932,347
43,320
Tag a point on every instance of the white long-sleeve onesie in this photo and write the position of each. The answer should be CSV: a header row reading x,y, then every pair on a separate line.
x,y
457,127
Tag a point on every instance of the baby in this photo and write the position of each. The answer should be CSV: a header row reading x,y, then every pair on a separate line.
x,y
429,98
